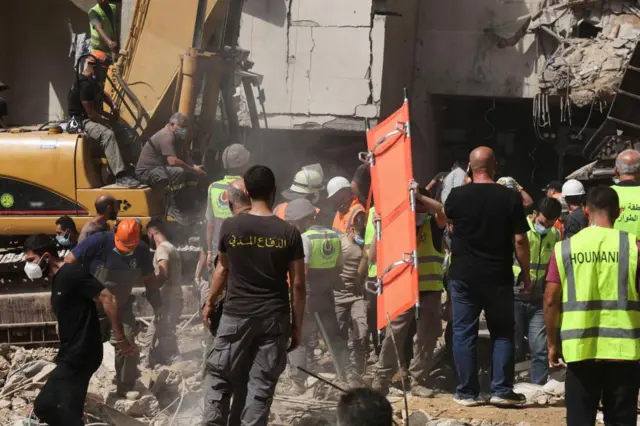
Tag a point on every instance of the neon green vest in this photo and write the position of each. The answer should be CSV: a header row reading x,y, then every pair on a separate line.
x,y
541,248
429,260
369,238
325,248
96,42
219,200
629,219
600,304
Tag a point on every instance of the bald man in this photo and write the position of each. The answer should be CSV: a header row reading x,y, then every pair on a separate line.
x,y
487,219
627,177
107,208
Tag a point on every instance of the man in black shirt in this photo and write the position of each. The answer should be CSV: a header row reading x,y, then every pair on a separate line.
x,y
74,295
256,252
488,221
573,192
85,105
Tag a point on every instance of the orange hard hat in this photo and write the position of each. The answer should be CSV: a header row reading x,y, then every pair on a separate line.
x,y
103,58
127,235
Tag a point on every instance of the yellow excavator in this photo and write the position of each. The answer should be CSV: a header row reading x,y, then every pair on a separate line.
x,y
47,173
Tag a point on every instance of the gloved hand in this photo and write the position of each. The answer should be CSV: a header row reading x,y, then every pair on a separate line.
x,y
509,182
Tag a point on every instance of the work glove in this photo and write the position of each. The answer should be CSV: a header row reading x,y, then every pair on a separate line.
x,y
509,182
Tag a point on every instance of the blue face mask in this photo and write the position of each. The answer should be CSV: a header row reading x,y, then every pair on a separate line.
x,y
616,180
358,240
63,240
540,228
121,254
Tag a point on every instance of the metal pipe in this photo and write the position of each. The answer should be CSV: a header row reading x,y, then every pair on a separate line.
x,y
188,91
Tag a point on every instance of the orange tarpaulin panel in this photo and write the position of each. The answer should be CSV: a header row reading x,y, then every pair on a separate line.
x,y
389,157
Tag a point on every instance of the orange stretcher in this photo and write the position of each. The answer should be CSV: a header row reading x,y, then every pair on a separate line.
x,y
389,158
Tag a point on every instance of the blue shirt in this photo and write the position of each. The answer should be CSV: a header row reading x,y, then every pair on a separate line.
x,y
98,250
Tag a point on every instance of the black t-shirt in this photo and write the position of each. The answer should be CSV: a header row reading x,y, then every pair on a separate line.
x,y
575,223
72,295
84,89
485,218
260,249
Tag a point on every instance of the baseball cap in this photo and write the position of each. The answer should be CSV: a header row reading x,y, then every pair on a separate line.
x,y
127,235
298,210
235,156
554,184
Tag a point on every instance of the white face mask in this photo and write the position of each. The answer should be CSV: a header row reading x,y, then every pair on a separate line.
x,y
33,270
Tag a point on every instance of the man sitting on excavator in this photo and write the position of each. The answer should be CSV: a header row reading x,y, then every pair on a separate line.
x,y
85,106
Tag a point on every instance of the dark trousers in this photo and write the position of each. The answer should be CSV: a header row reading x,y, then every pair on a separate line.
x,y
615,383
468,300
372,319
61,401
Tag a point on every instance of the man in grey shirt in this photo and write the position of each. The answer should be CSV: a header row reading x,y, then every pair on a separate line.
x,y
164,163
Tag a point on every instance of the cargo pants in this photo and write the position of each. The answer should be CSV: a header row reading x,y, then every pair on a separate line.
x,y
164,343
428,330
324,305
353,315
245,350
126,366
106,137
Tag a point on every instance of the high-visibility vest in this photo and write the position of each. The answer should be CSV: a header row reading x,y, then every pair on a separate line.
x,y
219,198
282,208
369,240
110,29
325,248
600,303
429,260
629,219
343,222
540,251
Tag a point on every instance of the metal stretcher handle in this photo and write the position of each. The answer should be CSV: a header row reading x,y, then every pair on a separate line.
x,y
410,260
369,157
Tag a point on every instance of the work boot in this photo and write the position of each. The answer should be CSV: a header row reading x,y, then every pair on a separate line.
x,y
381,384
127,181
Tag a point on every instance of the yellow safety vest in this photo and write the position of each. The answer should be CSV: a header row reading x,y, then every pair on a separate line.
x,y
219,199
323,262
110,30
369,239
600,303
629,219
429,260
541,248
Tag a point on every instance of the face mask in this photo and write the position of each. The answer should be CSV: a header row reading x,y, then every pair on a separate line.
x,y
616,180
33,270
63,240
121,254
540,228
181,133
358,240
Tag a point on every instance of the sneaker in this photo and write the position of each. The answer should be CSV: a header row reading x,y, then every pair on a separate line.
x,y
421,391
468,402
511,399
127,182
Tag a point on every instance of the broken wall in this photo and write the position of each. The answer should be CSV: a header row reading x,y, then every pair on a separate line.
x,y
321,60
34,58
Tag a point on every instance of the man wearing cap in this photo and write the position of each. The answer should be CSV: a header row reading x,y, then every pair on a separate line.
x,y
553,189
627,178
85,100
307,183
350,213
119,260
323,263
573,192
164,164
235,159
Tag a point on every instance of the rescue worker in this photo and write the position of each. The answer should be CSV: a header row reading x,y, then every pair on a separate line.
x,y
553,189
66,232
323,262
107,208
307,183
372,276
592,297
259,321
511,183
103,27
528,305
429,323
573,193
85,105
164,164
168,270
627,174
235,159
350,213
74,297
119,260
361,183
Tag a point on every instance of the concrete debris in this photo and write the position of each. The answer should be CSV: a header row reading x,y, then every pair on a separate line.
x,y
554,388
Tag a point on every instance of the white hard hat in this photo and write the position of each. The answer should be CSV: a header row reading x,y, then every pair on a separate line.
x,y
572,187
307,181
336,184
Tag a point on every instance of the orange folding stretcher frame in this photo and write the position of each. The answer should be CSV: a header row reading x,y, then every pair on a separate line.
x,y
389,158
